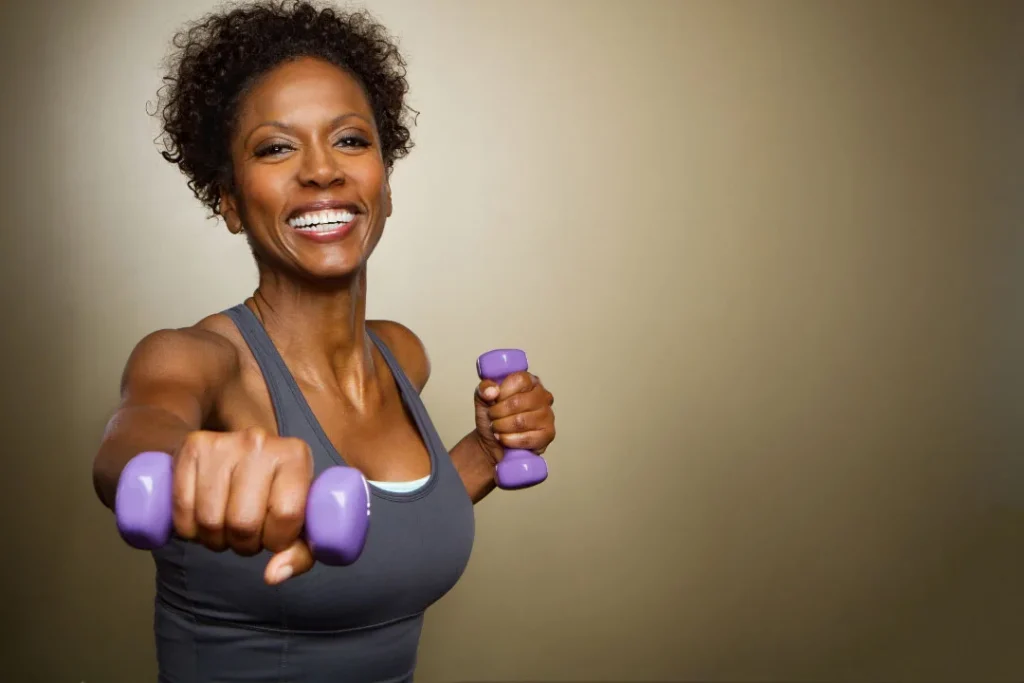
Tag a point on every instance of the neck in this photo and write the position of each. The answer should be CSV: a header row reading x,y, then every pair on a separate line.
x,y
321,331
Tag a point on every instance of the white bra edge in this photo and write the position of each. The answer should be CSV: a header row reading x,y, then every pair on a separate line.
x,y
400,486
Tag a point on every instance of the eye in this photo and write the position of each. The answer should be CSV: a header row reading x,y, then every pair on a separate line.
x,y
271,149
353,141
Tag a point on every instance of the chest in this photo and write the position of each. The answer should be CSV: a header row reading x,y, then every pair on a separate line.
x,y
384,442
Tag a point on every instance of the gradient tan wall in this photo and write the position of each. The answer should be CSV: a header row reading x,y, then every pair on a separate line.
x,y
768,255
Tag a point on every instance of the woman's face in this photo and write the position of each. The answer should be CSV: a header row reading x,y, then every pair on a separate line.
x,y
311,190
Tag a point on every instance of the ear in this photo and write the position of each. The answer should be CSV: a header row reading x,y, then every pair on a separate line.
x,y
387,198
229,210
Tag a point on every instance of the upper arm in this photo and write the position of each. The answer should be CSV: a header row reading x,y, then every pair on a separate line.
x,y
178,371
408,350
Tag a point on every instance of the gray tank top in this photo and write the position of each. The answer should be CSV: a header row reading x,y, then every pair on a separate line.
x,y
217,621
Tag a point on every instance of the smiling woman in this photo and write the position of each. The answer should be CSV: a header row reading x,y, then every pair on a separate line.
x,y
287,120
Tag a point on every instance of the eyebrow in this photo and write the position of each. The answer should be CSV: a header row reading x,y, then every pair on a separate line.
x,y
284,126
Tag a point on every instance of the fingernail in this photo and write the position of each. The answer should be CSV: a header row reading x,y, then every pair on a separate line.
x,y
284,573
490,392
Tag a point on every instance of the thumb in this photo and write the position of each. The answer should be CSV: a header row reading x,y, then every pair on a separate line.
x,y
294,560
487,391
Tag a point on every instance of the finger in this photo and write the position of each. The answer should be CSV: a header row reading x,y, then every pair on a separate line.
x,y
293,560
184,492
527,441
213,482
515,383
487,390
548,394
286,501
538,383
528,421
247,504
534,399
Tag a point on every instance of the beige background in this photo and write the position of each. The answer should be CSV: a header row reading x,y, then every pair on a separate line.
x,y
768,256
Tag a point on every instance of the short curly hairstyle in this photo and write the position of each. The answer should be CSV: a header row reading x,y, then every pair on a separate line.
x,y
219,57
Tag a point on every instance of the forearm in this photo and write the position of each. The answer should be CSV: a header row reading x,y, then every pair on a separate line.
x,y
131,431
475,464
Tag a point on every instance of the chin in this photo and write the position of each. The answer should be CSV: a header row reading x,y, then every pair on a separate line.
x,y
333,273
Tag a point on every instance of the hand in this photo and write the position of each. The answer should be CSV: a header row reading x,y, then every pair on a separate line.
x,y
516,414
245,491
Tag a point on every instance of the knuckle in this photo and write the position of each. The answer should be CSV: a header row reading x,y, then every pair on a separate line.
x,y
514,403
287,504
519,422
198,443
190,448
180,510
255,437
291,506
195,438
298,449
288,511
209,523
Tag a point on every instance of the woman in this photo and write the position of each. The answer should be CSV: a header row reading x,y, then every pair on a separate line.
x,y
287,121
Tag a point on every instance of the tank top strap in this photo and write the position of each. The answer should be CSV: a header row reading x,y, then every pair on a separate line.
x,y
412,400
404,383
278,379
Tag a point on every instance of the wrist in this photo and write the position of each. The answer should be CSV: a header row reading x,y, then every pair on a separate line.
x,y
491,450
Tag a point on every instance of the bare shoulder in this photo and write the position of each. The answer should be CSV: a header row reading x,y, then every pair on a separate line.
x,y
200,354
407,348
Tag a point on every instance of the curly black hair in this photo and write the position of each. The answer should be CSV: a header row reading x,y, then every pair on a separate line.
x,y
216,60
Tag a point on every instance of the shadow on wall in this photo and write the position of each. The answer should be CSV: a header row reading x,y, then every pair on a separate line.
x,y
59,576
36,410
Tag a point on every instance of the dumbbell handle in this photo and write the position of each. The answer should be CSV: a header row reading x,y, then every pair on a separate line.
x,y
337,508
518,469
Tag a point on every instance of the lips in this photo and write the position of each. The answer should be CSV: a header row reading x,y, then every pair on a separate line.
x,y
323,220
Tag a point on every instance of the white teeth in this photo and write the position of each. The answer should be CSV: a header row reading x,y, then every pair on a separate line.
x,y
321,220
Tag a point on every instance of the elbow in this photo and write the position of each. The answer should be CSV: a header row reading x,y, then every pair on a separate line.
x,y
101,482
106,471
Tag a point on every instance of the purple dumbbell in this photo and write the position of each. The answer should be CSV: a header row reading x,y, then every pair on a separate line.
x,y
518,468
337,509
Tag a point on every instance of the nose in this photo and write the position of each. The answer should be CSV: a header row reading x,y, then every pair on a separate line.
x,y
321,167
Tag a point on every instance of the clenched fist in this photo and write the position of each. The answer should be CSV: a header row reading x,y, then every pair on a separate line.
x,y
245,491
515,414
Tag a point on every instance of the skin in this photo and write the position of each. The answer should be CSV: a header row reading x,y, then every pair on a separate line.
x,y
304,133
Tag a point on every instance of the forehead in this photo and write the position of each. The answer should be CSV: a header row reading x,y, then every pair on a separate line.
x,y
303,92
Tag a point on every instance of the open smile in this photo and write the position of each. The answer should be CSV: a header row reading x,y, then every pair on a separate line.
x,y
324,225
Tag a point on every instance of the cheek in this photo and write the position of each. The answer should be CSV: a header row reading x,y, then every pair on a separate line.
x,y
371,179
263,190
